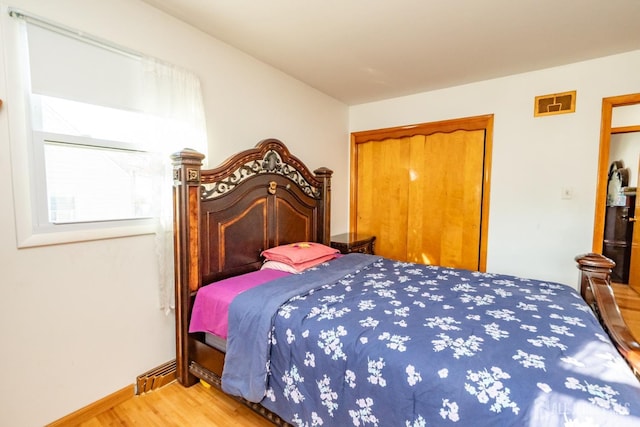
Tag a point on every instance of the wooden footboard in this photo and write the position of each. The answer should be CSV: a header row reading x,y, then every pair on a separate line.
x,y
595,288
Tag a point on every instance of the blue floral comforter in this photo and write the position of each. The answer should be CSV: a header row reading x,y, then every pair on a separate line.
x,y
400,344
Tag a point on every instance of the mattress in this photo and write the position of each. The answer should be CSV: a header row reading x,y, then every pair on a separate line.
x,y
211,305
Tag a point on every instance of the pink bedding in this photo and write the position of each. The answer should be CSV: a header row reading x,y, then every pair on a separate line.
x,y
211,306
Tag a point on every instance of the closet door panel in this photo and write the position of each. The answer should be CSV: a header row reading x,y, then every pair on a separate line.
x,y
461,239
446,201
423,190
472,174
423,228
382,196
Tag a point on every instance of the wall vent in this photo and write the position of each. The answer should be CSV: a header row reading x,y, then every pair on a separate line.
x,y
156,378
555,103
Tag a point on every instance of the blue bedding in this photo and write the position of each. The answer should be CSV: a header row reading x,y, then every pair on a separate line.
x,y
367,341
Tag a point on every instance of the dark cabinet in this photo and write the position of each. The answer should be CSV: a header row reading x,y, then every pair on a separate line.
x,y
352,242
618,233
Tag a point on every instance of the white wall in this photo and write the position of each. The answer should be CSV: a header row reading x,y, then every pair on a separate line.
x,y
532,231
81,321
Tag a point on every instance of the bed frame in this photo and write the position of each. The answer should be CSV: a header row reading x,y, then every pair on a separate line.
x,y
264,197
595,288
225,217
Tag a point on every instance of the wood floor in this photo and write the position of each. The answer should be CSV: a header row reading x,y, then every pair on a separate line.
x,y
629,303
174,405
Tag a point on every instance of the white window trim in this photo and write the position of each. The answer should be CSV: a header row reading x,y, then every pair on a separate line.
x,y
29,229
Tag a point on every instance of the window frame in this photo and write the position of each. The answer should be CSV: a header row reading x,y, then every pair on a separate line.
x,y
27,166
41,140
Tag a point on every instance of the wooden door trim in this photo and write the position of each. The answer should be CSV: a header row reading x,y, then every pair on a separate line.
x,y
484,122
444,126
603,161
625,129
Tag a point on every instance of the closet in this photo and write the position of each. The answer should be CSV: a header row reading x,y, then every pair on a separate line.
x,y
423,191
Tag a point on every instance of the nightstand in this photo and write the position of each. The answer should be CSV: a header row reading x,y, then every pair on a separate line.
x,y
353,242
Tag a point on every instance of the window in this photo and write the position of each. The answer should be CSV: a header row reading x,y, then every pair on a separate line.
x,y
93,169
91,138
92,183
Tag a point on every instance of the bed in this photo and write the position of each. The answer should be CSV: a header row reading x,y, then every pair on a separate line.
x,y
362,340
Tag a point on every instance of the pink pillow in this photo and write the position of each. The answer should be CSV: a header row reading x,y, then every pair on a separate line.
x,y
300,255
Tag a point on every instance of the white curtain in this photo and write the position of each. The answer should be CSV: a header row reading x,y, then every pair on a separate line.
x,y
175,95
170,101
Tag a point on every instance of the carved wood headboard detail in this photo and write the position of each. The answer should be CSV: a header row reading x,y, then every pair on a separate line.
x,y
226,216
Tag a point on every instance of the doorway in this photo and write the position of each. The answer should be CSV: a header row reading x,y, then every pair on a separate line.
x,y
612,131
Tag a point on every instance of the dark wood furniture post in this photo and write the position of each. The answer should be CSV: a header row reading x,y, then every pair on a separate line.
x,y
592,265
324,174
186,223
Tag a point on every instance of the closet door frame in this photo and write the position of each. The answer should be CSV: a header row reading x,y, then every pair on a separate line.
x,y
484,122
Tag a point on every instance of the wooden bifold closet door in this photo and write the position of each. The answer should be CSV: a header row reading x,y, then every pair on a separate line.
x,y
421,195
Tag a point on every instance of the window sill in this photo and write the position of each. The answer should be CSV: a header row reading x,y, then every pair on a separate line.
x,y
84,234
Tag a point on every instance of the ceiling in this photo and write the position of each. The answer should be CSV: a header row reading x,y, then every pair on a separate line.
x,y
366,50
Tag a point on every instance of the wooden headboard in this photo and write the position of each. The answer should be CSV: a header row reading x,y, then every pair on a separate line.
x,y
225,217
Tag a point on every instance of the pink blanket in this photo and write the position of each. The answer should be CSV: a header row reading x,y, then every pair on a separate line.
x,y
211,306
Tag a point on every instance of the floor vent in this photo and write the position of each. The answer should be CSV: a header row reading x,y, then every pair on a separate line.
x,y
156,378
